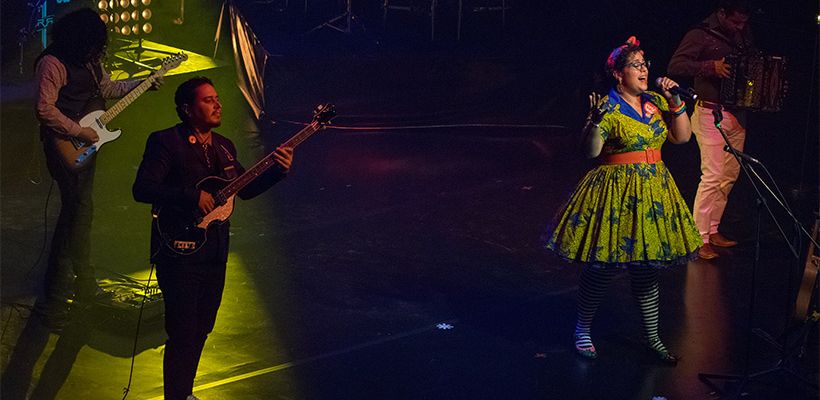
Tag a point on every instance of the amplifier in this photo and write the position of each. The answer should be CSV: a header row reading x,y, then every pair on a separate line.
x,y
121,308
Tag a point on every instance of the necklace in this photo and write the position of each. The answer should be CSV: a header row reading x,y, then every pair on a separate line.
x,y
97,78
206,144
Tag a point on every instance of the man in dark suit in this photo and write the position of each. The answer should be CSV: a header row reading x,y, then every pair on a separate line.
x,y
192,279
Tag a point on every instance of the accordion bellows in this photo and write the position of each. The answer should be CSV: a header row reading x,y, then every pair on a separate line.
x,y
757,83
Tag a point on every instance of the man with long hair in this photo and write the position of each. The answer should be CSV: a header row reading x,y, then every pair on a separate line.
x,y
72,82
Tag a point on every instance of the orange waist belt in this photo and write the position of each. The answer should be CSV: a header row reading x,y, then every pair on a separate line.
x,y
649,156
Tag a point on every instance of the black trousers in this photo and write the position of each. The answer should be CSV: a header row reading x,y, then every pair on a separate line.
x,y
192,294
70,252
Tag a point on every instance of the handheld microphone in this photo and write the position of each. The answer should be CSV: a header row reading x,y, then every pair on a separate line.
x,y
741,154
684,93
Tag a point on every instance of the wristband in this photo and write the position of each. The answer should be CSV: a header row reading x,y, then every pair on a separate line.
x,y
677,110
680,110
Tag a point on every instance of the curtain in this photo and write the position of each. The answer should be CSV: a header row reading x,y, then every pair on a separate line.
x,y
250,58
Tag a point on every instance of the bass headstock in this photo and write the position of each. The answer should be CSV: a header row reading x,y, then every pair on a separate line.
x,y
324,113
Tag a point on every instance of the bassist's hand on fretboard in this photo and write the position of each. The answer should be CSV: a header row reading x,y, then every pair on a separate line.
x,y
284,157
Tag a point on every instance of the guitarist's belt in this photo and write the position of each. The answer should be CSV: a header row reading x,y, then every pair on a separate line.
x,y
708,104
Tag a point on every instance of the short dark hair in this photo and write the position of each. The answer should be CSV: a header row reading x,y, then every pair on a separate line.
x,y
186,92
78,37
735,6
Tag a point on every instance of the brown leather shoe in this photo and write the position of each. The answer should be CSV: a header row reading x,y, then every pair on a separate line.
x,y
721,241
707,252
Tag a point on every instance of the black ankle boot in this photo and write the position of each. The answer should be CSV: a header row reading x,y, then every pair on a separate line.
x,y
665,357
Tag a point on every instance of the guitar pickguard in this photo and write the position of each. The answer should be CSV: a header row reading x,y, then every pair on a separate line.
x,y
219,214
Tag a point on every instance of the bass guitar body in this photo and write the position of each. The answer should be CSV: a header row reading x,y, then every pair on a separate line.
x,y
184,232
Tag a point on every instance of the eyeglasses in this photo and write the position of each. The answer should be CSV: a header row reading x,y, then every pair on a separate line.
x,y
639,65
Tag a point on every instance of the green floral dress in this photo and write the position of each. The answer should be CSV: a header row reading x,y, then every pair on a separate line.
x,y
621,214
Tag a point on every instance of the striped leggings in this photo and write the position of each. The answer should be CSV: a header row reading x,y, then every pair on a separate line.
x,y
593,286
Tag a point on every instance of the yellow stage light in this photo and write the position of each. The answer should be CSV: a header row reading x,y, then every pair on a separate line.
x,y
126,17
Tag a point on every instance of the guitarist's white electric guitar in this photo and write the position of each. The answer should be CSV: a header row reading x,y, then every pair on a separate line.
x,y
74,152
184,231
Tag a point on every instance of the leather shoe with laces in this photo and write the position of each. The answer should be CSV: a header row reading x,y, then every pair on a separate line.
x,y
706,252
721,241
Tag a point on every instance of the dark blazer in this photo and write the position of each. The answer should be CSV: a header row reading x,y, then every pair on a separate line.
x,y
171,167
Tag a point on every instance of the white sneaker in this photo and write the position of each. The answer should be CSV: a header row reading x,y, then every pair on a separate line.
x,y
191,397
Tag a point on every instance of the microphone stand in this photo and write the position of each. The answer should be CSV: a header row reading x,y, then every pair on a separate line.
x,y
748,169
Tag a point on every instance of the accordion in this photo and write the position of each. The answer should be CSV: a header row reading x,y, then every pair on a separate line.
x,y
758,82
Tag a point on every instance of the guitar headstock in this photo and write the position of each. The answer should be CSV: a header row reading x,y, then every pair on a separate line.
x,y
173,61
324,113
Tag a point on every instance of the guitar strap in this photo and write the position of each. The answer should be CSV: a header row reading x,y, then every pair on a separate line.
x,y
227,153
227,161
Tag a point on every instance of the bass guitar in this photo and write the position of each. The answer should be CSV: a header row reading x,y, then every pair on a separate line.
x,y
75,152
184,232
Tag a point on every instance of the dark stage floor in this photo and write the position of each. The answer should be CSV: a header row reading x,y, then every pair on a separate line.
x,y
401,263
